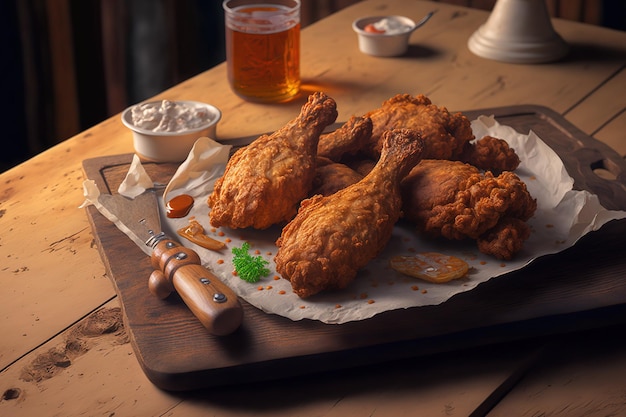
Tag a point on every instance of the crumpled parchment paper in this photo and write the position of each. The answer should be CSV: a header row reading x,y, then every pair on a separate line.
x,y
563,216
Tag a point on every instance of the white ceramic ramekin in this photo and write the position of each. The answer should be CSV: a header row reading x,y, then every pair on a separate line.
x,y
383,44
171,146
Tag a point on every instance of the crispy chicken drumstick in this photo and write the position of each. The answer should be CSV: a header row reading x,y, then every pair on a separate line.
x,y
332,237
331,177
264,182
349,139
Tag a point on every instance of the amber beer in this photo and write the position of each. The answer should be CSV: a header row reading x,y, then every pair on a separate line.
x,y
263,48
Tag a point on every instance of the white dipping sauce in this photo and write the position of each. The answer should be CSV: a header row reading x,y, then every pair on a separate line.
x,y
169,116
391,26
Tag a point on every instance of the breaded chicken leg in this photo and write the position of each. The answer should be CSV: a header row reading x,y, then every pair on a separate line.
x,y
332,237
264,182
331,177
348,139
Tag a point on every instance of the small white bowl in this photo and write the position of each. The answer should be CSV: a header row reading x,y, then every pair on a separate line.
x,y
165,146
383,44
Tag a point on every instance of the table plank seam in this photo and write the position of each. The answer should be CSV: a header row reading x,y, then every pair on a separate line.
x,y
57,334
502,390
593,91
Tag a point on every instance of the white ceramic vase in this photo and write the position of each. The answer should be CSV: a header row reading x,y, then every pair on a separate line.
x,y
518,31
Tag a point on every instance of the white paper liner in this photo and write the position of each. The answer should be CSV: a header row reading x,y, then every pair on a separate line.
x,y
563,216
136,181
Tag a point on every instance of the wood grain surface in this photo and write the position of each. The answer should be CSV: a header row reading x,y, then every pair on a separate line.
x,y
55,285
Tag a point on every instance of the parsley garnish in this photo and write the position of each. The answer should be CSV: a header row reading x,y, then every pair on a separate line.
x,y
249,268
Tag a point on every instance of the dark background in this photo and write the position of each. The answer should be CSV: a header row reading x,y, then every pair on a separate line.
x,y
69,64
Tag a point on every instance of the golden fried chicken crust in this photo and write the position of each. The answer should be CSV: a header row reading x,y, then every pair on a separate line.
x,y
332,237
445,134
490,154
331,177
457,201
348,139
505,239
264,182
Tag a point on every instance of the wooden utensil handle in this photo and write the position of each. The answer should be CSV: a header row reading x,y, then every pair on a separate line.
x,y
209,299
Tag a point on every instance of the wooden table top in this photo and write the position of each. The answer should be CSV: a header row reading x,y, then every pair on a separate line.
x,y
64,350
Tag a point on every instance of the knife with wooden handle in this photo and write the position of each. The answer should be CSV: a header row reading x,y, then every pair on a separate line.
x,y
177,268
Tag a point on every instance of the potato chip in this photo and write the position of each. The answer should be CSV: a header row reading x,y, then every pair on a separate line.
x,y
430,266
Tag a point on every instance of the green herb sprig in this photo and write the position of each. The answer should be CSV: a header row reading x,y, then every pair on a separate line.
x,y
249,268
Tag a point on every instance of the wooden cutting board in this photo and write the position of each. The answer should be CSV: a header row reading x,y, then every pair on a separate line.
x,y
583,286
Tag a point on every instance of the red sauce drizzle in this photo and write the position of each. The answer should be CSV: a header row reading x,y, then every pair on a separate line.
x,y
179,206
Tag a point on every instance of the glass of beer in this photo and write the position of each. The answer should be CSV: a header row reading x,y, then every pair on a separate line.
x,y
263,48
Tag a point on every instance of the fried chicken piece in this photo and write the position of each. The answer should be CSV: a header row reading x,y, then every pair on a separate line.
x,y
445,134
264,182
349,139
490,154
456,201
331,177
332,237
505,239
362,166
